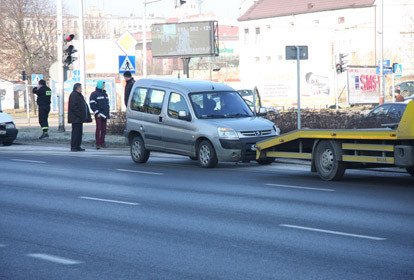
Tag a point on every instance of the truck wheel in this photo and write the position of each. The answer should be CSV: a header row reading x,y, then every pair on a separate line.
x,y
138,152
265,161
327,162
410,170
207,155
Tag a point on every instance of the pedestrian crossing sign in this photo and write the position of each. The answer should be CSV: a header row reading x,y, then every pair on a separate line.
x,y
397,68
126,63
36,78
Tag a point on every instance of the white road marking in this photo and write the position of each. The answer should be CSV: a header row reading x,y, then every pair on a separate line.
x,y
109,200
298,187
2,245
334,232
26,160
137,171
55,259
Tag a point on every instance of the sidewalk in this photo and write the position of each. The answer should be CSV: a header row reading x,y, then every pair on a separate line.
x,y
30,135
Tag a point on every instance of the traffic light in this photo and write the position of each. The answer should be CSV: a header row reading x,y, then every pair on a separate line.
x,y
178,3
343,62
68,59
338,68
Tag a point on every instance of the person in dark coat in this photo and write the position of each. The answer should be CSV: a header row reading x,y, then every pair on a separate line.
x,y
99,103
44,93
128,86
78,113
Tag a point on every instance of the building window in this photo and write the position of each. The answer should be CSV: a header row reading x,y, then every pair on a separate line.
x,y
268,58
257,37
256,58
246,35
341,20
268,27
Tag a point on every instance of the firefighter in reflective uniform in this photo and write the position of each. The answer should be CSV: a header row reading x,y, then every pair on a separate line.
x,y
44,93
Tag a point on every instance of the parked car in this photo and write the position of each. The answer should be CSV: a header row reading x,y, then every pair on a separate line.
x,y
406,88
8,130
204,120
389,114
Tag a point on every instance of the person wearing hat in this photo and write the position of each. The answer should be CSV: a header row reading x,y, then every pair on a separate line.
x,y
44,93
78,113
99,103
128,86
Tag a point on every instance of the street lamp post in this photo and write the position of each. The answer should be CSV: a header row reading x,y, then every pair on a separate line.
x,y
144,37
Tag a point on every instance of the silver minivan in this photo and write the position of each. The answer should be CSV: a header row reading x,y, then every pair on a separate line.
x,y
207,121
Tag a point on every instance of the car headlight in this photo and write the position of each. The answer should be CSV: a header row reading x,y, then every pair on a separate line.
x,y
10,125
227,133
276,129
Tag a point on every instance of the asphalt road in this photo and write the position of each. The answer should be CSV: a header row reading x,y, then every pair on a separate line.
x,y
98,215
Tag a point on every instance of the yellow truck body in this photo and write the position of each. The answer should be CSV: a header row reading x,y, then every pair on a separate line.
x,y
334,150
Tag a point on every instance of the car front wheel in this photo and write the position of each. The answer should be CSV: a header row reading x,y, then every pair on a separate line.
x,y
207,156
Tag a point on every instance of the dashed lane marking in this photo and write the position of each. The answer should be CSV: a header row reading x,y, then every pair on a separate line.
x,y
141,172
26,160
108,200
299,187
334,232
55,259
2,245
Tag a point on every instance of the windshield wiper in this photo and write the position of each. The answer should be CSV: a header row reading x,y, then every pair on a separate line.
x,y
238,115
212,116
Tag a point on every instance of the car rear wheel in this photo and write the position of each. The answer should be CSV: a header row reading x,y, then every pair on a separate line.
x,y
327,161
207,156
138,152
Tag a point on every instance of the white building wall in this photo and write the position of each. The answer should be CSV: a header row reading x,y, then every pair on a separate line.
x,y
327,34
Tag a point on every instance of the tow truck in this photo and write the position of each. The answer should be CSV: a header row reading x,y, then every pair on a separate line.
x,y
332,151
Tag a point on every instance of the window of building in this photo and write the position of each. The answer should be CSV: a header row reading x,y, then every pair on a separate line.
x,y
257,38
257,58
341,20
268,58
175,104
246,35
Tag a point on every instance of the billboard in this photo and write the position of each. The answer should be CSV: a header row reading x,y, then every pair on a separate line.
x,y
363,85
185,39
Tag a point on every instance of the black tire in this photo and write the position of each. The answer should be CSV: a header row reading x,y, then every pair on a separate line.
x,y
207,156
327,164
410,170
193,158
138,152
7,143
265,161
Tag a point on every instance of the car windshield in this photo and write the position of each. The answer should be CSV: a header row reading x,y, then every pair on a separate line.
x,y
223,104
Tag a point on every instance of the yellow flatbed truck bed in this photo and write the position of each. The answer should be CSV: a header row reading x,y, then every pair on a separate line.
x,y
332,151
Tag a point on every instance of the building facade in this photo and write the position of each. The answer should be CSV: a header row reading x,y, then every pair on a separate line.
x,y
329,29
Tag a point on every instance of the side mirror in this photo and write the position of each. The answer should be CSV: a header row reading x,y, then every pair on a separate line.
x,y
182,115
262,112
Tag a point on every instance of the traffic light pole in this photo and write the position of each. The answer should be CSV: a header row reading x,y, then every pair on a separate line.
x,y
82,67
60,88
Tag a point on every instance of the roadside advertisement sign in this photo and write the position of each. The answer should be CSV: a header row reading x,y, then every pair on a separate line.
x,y
363,85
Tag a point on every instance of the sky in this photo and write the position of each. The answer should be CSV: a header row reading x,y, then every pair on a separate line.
x,y
221,8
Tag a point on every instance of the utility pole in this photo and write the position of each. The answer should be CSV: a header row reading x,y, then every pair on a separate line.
x,y
60,88
82,67
144,36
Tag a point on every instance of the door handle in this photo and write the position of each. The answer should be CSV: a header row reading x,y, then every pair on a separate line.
x,y
159,119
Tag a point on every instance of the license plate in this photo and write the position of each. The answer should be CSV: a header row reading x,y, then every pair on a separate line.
x,y
3,132
253,147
